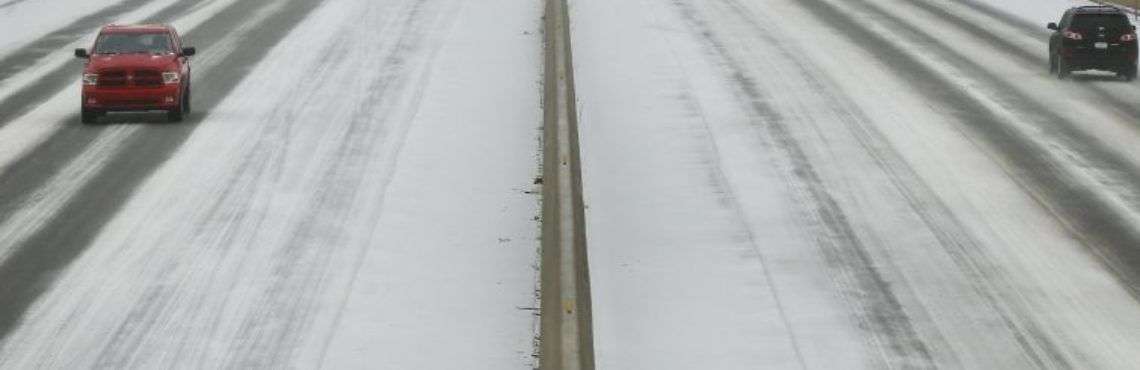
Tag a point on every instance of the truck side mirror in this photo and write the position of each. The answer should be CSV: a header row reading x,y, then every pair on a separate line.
x,y
189,51
1051,25
81,53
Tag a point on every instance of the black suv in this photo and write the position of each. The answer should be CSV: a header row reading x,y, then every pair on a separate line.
x,y
1093,37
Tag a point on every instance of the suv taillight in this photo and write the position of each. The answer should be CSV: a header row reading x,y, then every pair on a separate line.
x,y
1128,37
1072,35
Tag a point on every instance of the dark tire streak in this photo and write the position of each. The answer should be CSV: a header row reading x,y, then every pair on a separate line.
x,y
26,56
31,269
1028,28
731,199
1002,43
879,310
263,343
1112,239
966,252
11,3
31,96
36,167
1087,218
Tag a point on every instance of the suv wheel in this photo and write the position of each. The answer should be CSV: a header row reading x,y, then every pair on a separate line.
x,y
1052,64
1128,73
1063,70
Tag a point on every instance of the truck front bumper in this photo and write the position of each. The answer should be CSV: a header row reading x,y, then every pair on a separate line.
x,y
106,99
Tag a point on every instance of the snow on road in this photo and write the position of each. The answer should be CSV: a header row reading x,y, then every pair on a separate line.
x,y
769,184
20,138
865,183
457,243
27,20
1035,11
362,198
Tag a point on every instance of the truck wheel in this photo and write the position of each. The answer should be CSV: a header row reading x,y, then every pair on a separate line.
x,y
87,116
186,107
174,115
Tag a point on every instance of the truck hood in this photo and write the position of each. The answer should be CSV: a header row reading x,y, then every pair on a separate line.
x,y
101,62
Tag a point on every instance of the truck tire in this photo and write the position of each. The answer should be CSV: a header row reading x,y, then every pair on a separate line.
x,y
174,115
87,116
186,107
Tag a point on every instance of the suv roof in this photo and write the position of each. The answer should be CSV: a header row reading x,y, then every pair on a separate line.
x,y
143,28
1097,9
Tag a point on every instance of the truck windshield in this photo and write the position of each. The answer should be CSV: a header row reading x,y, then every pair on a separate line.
x,y
126,43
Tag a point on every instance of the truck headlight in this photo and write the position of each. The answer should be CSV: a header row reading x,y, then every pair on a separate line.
x,y
90,78
171,78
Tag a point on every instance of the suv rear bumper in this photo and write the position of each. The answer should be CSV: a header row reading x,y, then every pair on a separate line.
x,y
104,99
1102,65
1113,59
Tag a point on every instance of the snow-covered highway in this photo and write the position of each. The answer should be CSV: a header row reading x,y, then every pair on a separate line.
x,y
355,189
767,184
853,184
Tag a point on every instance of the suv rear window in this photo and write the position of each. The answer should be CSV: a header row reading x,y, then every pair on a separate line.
x,y
127,43
1100,20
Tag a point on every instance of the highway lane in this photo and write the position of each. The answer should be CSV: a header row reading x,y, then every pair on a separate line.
x,y
768,184
245,235
137,156
863,183
25,56
33,72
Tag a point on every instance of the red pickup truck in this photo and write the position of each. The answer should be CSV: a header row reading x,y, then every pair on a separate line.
x,y
136,68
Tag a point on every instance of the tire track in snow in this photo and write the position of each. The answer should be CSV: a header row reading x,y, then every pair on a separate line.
x,y
1088,217
26,56
30,269
26,178
723,185
1088,213
876,306
30,172
270,332
943,224
11,3
1028,28
33,94
43,202
1028,58
1089,150
154,307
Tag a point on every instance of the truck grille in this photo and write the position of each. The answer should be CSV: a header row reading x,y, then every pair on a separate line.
x,y
130,102
138,78
113,78
148,78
